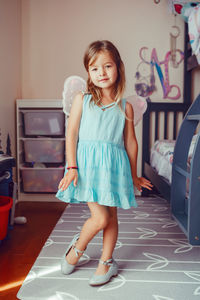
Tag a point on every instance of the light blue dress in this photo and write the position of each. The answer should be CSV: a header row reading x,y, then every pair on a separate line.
x,y
104,172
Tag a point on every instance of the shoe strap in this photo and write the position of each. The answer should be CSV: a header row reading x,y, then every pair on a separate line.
x,y
107,262
77,251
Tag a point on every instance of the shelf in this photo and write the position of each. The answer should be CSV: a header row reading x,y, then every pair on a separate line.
x,y
61,167
40,109
187,212
182,220
181,171
193,117
40,139
38,197
39,103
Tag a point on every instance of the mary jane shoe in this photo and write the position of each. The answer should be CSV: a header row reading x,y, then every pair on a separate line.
x,y
67,268
102,279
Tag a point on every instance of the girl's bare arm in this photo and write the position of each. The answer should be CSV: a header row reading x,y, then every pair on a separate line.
x,y
71,141
131,146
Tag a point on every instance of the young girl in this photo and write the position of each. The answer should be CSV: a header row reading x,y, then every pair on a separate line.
x,y
101,151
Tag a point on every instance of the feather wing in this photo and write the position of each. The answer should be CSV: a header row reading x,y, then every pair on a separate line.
x,y
139,105
72,86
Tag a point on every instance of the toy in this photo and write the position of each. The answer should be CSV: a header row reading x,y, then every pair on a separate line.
x,y
194,31
75,84
187,9
190,12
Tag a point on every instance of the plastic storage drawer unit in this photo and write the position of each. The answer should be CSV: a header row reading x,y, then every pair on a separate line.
x,y
39,122
41,180
46,150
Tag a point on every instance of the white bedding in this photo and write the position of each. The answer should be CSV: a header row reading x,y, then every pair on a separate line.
x,y
161,156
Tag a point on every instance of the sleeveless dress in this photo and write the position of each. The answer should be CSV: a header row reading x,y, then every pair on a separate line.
x,y
104,172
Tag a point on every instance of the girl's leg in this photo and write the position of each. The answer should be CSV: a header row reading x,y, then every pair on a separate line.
x,y
99,219
110,235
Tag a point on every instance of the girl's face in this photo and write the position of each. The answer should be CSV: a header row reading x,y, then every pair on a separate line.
x,y
103,71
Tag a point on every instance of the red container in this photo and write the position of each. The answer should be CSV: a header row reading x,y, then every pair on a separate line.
x,y
5,206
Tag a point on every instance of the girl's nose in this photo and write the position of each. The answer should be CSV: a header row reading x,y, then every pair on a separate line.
x,y
101,71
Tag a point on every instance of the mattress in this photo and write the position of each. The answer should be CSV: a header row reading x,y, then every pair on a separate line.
x,y
161,156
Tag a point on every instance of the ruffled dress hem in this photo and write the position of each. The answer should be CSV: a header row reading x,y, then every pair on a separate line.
x,y
111,199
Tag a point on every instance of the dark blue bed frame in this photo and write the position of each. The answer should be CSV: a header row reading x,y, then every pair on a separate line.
x,y
160,183
186,210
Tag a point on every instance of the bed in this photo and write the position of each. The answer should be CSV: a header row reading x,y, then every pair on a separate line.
x,y
162,154
178,123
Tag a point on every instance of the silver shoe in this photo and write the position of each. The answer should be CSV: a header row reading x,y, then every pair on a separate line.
x,y
102,279
67,268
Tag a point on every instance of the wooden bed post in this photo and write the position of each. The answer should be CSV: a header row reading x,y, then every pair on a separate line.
x,y
146,137
187,70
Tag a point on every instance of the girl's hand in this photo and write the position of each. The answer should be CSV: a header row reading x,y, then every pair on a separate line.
x,y
71,175
141,182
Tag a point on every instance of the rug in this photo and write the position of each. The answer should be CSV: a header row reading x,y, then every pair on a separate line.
x,y
155,260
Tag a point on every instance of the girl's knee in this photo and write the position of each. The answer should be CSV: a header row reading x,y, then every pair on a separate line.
x,y
100,215
101,221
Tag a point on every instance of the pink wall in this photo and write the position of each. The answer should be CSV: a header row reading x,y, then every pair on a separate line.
x,y
10,70
55,35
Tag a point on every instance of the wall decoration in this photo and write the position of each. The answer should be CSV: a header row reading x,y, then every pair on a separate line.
x,y
173,37
145,84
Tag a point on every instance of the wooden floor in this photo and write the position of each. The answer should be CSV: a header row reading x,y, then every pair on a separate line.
x,y
24,242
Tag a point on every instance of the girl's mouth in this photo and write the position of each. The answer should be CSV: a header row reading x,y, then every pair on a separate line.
x,y
104,79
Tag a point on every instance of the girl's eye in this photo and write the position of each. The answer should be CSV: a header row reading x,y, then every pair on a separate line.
x,y
94,69
108,66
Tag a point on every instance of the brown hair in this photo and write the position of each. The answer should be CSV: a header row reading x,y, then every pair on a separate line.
x,y
90,56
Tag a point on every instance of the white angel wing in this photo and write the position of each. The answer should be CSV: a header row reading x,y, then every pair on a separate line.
x,y
139,105
72,86
75,84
